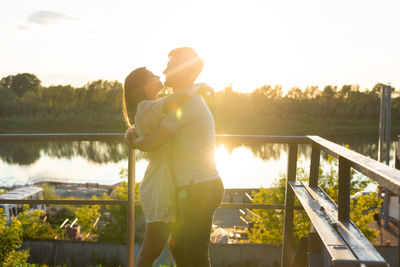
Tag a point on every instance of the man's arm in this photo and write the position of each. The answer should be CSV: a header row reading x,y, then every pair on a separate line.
x,y
152,142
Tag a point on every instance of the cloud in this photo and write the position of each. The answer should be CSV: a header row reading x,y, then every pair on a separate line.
x,y
47,17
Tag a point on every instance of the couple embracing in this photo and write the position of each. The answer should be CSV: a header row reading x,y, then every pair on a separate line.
x,y
181,188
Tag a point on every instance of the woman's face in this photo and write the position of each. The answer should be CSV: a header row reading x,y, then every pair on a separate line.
x,y
153,86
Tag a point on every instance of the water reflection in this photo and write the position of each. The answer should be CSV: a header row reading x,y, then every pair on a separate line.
x,y
240,165
26,153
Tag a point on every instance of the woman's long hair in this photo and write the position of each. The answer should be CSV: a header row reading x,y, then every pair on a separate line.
x,y
133,93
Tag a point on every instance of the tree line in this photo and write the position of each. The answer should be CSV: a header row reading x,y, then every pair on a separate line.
x,y
266,110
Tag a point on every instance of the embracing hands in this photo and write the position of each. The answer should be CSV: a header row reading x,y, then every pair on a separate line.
x,y
130,136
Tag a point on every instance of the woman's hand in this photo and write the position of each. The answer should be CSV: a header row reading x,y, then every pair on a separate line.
x,y
205,89
130,136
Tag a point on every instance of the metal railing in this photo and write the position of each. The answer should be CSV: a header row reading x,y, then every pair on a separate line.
x,y
379,172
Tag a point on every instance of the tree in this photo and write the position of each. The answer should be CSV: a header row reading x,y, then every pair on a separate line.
x,y
329,92
311,92
295,92
8,101
21,83
345,91
269,91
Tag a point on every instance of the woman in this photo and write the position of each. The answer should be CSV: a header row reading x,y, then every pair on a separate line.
x,y
157,190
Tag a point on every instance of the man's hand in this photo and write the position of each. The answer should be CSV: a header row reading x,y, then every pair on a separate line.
x,y
130,136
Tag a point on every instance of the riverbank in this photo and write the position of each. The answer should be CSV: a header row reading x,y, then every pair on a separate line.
x,y
107,123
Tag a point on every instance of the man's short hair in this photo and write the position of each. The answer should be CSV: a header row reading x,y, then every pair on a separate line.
x,y
190,60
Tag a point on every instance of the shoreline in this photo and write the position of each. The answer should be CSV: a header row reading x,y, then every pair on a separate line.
x,y
109,123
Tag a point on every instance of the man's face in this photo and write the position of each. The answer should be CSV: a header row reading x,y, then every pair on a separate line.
x,y
171,72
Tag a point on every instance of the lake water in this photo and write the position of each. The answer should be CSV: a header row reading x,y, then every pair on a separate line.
x,y
240,165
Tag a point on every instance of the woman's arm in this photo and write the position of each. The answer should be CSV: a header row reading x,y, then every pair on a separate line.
x,y
173,101
148,143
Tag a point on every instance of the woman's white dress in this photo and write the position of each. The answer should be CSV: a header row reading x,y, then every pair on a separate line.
x,y
157,189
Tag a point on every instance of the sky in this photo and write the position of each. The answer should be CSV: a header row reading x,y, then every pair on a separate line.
x,y
246,44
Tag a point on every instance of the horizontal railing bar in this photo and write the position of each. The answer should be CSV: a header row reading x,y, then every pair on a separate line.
x,y
64,202
137,203
225,205
259,139
380,172
120,137
61,137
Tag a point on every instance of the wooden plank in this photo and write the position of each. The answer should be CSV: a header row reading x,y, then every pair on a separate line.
x,y
334,243
383,174
354,238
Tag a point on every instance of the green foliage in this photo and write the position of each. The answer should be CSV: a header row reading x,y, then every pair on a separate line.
x,y
21,83
116,223
48,192
33,226
115,217
268,224
87,216
10,243
97,107
362,213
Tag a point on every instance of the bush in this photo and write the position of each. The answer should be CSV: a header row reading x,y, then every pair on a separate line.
x,y
10,243
115,217
33,226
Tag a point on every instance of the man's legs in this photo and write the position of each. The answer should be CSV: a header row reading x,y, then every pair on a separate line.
x,y
191,235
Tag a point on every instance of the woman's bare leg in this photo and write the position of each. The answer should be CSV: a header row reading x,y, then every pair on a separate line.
x,y
155,237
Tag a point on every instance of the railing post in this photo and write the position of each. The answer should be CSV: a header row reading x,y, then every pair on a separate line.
x,y
131,209
314,166
397,153
398,238
289,206
344,190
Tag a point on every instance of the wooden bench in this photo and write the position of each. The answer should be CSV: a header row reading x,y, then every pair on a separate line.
x,y
344,242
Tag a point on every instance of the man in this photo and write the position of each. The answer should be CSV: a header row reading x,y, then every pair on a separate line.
x,y
199,187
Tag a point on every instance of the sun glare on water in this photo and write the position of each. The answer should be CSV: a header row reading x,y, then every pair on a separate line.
x,y
242,169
